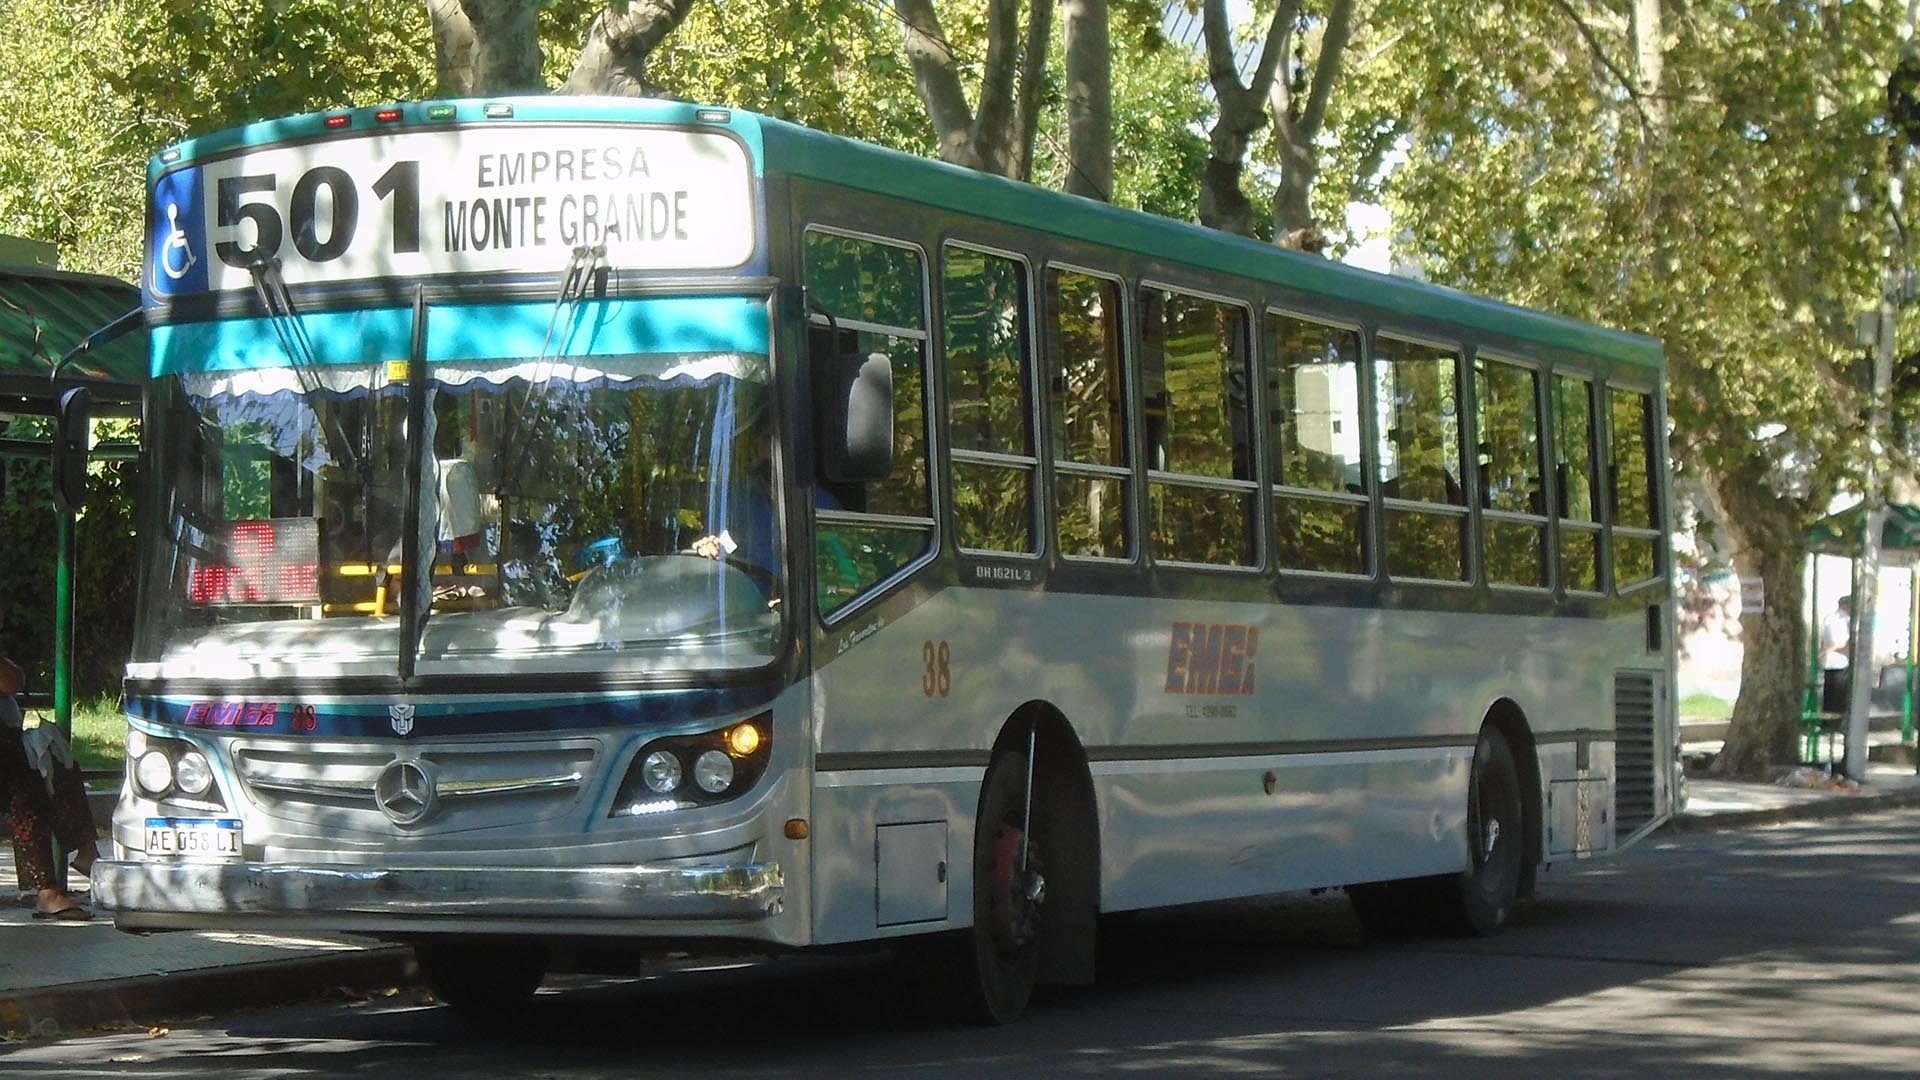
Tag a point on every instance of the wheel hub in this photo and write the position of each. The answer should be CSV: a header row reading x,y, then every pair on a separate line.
x,y
1018,890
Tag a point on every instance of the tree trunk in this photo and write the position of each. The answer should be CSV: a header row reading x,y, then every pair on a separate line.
x,y
1297,127
1243,111
452,48
1769,542
997,136
1089,56
614,58
506,46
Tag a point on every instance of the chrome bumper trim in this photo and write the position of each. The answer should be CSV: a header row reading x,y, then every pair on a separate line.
x,y
741,893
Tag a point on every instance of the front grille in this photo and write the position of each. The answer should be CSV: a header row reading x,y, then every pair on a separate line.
x,y
1633,756
476,786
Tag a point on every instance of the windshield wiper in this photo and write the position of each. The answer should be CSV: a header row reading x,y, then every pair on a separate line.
x,y
587,265
271,287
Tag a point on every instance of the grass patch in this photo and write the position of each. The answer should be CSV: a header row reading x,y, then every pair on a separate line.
x,y
99,732
1698,706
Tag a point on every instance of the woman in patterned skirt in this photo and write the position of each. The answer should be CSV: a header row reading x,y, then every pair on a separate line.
x,y
37,816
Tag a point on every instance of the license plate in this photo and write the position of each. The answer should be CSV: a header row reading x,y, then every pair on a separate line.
x,y
194,838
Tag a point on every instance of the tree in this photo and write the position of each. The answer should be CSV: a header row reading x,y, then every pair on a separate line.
x,y
1298,123
488,47
1291,84
997,135
1242,112
1089,56
1717,181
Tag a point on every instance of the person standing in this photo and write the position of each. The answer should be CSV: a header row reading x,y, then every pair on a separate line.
x,y
37,816
1836,666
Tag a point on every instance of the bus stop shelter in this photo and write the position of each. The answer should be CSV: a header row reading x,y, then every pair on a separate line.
x,y
1841,535
60,331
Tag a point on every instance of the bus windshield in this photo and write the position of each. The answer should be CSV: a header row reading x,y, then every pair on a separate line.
x,y
603,512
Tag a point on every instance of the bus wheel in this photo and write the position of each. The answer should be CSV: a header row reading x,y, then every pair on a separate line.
x,y
482,976
1486,893
1000,956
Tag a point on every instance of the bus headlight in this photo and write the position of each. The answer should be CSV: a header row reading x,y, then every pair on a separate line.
x,y
720,764
713,772
192,773
661,772
154,773
173,769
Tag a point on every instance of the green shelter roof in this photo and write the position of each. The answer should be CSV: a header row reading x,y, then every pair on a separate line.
x,y
44,313
1841,533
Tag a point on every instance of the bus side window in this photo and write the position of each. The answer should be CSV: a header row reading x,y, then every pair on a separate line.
x,y
1313,397
1201,499
1631,484
989,402
1513,528
1574,457
865,534
1092,470
1417,388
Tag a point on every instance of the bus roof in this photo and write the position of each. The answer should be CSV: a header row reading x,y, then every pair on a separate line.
x,y
784,148
799,151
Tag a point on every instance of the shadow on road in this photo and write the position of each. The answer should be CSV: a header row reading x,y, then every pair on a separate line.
x,y
1734,954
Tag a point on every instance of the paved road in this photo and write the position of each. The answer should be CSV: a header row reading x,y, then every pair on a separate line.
x,y
1792,950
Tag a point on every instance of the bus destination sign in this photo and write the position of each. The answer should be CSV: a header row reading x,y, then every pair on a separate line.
x,y
453,201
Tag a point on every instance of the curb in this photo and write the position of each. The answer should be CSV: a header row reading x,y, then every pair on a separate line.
x,y
49,1012
1837,806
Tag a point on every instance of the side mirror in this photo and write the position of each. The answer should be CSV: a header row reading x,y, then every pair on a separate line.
x,y
856,419
71,430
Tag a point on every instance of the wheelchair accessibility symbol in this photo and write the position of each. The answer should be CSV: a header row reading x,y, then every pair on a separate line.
x,y
176,255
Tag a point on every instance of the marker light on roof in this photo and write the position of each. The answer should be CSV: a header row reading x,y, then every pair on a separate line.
x,y
339,121
713,116
439,112
498,111
387,116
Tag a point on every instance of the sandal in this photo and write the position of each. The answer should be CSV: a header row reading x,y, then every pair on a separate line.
x,y
76,913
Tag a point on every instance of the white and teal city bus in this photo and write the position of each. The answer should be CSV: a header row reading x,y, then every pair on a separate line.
x,y
630,523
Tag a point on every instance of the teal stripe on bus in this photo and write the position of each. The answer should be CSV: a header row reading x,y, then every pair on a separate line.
x,y
705,324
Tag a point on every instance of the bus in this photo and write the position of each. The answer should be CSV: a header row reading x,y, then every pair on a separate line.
x,y
578,528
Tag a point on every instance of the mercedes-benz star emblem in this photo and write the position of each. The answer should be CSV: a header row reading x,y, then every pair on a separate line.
x,y
405,792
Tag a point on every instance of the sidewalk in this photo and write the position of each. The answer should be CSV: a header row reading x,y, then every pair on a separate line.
x,y
63,977
58,978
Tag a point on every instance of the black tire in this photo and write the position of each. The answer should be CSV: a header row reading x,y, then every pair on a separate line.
x,y
1485,895
1481,898
483,977
999,957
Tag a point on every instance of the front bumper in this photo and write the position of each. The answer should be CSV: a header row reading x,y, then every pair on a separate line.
x,y
208,893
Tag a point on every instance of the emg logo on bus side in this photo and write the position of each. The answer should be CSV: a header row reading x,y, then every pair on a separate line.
x,y
1211,658
179,235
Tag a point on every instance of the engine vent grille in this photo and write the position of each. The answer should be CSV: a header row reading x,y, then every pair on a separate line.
x,y
1633,751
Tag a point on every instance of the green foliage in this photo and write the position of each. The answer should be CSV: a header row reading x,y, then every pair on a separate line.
x,y
99,731
92,90
104,582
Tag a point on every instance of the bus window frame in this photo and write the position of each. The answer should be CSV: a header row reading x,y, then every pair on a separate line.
x,y
1133,473
1036,434
935,446
1657,489
1370,517
1549,566
1468,478
1598,526
1257,448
